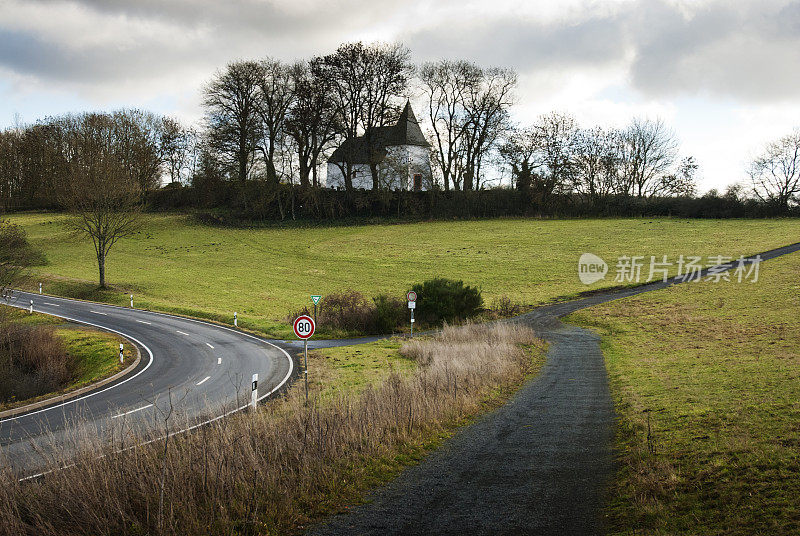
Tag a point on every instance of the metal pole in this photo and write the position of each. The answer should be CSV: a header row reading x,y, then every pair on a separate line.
x,y
305,368
315,314
412,323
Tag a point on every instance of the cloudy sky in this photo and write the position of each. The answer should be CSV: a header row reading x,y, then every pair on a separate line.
x,y
725,75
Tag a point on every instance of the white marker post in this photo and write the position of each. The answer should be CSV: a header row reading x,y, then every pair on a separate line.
x,y
304,327
254,396
412,304
40,288
131,301
235,320
31,309
121,355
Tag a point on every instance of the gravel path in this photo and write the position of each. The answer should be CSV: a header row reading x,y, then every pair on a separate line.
x,y
538,465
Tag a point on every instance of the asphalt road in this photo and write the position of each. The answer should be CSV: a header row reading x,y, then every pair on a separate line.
x,y
538,465
203,370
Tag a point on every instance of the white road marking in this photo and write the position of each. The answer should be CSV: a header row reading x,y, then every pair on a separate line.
x,y
219,361
53,304
209,345
182,333
99,313
143,322
132,411
204,380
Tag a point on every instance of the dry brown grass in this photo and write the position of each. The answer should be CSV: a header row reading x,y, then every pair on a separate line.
x,y
33,361
275,470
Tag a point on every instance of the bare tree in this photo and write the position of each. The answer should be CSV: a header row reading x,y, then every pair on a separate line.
x,y
98,187
486,106
649,150
312,120
446,85
775,174
598,159
179,150
366,82
275,96
543,158
679,183
233,118
16,255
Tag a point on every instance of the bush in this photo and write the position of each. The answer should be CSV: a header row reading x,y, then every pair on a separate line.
x,y
445,300
504,307
389,313
348,310
33,361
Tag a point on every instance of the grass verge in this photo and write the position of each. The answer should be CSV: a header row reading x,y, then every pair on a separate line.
x,y
706,382
276,470
178,266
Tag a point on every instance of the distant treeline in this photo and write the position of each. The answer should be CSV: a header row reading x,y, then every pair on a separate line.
x,y
269,128
234,203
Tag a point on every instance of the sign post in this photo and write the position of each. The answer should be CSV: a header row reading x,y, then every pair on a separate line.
x,y
412,304
304,327
254,395
315,298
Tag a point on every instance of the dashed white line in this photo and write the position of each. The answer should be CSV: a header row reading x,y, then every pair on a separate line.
x,y
52,304
209,345
201,382
182,333
143,322
219,361
99,313
132,411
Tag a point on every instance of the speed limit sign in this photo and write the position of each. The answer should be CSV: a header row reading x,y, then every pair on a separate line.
x,y
412,296
304,327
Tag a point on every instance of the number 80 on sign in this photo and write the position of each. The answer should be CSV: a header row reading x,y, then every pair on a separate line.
x,y
304,327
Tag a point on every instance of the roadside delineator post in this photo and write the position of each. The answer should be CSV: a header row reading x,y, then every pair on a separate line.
x,y
31,309
235,320
121,355
254,395
40,288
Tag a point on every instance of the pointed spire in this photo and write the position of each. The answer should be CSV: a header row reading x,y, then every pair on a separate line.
x,y
408,129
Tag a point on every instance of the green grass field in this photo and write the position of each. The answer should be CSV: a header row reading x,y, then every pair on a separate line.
x,y
714,368
97,351
177,265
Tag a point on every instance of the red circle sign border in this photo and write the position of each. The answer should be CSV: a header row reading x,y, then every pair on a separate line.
x,y
410,294
313,326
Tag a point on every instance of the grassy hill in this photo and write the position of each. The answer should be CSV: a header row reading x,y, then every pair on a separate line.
x,y
177,265
705,380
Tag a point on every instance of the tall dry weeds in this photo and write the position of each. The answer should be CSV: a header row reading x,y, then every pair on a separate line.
x,y
273,470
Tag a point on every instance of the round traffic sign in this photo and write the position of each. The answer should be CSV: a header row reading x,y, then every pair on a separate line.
x,y
412,296
304,327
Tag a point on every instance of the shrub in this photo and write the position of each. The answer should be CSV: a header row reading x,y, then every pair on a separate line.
x,y
446,300
33,361
504,307
348,310
389,313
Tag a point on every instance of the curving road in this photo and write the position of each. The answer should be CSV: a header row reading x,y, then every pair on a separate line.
x,y
203,369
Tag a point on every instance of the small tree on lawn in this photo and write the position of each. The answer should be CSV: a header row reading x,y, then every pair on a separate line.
x,y
99,189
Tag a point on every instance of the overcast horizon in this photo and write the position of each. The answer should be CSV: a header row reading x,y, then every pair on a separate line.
x,y
722,75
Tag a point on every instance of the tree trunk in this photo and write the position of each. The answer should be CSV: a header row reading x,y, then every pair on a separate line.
x,y
373,170
101,265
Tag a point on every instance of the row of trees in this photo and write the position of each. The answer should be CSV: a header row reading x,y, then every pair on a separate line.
x,y
277,122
